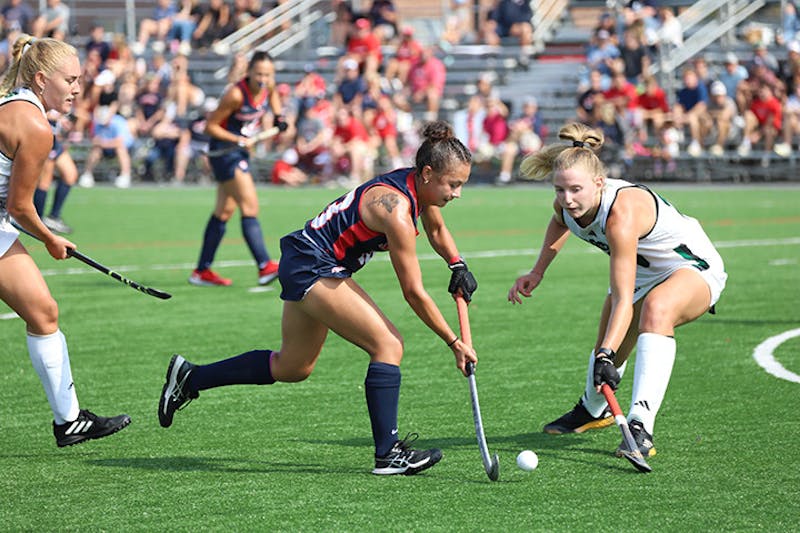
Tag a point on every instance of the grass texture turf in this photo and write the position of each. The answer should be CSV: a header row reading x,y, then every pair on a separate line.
x,y
296,457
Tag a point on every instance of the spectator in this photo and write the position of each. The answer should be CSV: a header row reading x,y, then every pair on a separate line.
x,y
383,16
603,55
99,43
351,89
343,23
426,81
11,32
20,13
670,30
653,105
55,20
238,68
311,88
495,127
635,57
763,121
691,110
214,24
790,23
722,111
762,56
700,66
111,138
184,24
182,91
364,47
668,147
732,77
149,111
458,23
157,27
527,133
193,143
351,148
468,123
284,171
289,108
509,18
791,122
589,99
313,142
406,54
383,131
607,23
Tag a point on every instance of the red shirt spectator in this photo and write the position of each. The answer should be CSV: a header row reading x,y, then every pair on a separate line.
x,y
767,108
351,129
654,98
428,73
409,48
363,43
622,93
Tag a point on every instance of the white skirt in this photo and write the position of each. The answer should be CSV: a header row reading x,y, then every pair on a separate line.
x,y
8,234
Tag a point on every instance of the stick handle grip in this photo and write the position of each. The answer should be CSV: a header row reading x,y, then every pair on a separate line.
x,y
613,404
463,319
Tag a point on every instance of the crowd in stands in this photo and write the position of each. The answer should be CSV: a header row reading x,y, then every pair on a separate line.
x,y
141,110
726,108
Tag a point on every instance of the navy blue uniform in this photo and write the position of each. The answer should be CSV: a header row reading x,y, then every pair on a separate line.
x,y
336,243
246,122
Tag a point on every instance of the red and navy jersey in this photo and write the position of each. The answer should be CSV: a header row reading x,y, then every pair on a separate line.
x,y
246,121
340,231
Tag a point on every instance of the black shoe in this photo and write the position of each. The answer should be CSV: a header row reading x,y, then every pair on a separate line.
x,y
404,460
57,225
579,420
644,440
86,427
174,395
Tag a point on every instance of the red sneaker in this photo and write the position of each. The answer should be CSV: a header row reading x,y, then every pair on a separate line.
x,y
208,278
268,274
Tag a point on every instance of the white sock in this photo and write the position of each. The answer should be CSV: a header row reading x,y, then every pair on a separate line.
x,y
593,401
50,359
655,355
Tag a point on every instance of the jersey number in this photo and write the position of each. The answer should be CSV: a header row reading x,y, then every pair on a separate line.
x,y
332,210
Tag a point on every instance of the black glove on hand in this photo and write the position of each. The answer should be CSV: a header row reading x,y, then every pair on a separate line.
x,y
280,123
462,278
604,369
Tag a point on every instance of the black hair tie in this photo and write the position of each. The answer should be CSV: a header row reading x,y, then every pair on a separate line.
x,y
578,144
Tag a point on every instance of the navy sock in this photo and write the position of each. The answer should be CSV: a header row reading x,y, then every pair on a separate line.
x,y
251,231
215,229
62,190
249,368
382,386
39,199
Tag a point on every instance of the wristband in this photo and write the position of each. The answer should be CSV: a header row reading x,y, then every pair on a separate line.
x,y
456,259
611,354
452,342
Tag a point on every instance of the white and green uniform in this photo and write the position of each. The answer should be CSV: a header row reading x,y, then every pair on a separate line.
x,y
675,241
8,234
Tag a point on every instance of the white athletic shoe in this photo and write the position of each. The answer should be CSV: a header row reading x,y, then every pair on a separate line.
x,y
86,180
123,181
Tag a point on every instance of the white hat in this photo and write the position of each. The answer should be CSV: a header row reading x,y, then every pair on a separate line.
x,y
731,58
718,88
793,46
350,64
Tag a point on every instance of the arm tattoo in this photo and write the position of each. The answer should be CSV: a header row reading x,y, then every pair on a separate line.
x,y
388,201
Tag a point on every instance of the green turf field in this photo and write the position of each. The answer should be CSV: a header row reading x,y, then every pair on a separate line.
x,y
296,457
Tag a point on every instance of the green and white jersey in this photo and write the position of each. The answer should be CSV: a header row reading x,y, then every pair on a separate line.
x,y
21,93
675,241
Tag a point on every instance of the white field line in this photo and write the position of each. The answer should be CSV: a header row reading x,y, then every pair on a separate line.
x,y
764,356
485,254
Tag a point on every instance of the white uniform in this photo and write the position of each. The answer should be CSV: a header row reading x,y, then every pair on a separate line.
x,y
675,241
8,233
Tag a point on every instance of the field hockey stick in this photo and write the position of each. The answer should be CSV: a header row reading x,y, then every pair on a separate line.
x,y
255,139
490,464
632,454
105,270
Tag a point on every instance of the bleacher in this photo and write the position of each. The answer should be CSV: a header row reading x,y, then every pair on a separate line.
x,y
551,76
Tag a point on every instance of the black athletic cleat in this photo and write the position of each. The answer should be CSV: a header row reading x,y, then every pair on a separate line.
x,y
579,420
86,427
174,395
404,460
644,440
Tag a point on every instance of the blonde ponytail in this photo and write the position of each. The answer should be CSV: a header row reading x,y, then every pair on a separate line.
x,y
582,150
